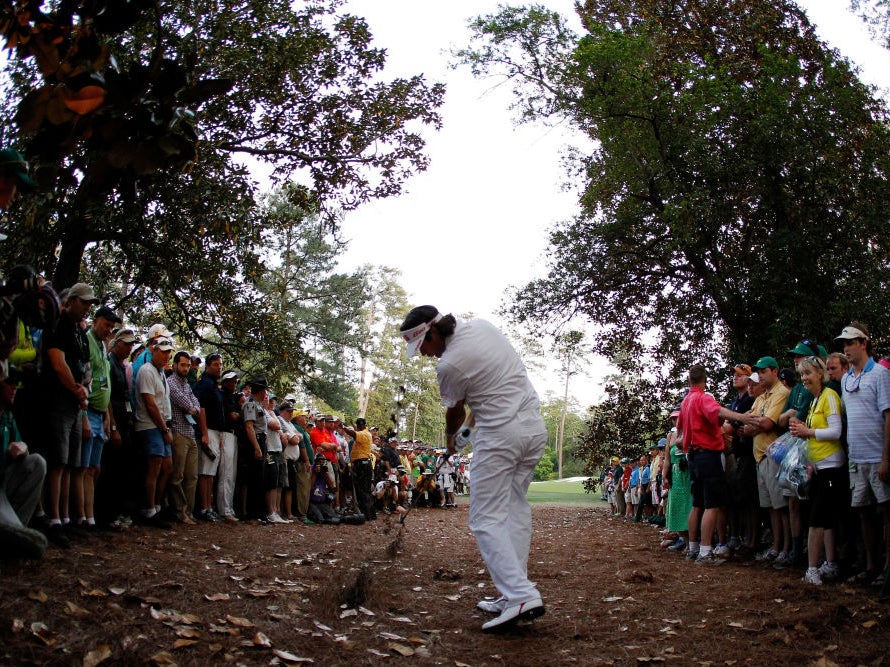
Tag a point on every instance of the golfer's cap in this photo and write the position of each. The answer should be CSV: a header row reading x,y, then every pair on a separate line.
x,y
415,336
754,377
850,332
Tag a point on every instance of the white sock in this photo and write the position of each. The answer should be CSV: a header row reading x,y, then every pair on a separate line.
x,y
704,551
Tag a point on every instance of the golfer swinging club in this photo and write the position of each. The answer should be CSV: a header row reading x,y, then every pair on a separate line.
x,y
479,369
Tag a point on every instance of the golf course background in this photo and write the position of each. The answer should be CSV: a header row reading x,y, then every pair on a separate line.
x,y
565,491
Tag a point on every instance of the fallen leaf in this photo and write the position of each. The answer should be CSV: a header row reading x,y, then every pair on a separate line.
x,y
73,610
290,657
217,597
460,664
417,640
94,593
43,633
349,612
163,658
18,625
117,590
402,619
452,598
187,632
240,622
392,635
323,627
612,598
366,612
401,649
869,624
221,630
259,639
98,655
38,596
182,643
189,619
381,654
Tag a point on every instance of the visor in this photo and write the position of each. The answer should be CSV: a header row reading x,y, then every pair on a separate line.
x,y
415,336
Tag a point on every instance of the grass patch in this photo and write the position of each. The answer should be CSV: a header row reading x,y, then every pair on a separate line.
x,y
566,492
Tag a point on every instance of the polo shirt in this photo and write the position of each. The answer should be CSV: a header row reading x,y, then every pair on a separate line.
x,y
100,387
361,448
768,404
210,397
700,421
866,397
799,399
151,380
72,341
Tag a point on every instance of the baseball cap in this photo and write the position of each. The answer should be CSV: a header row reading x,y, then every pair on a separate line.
x,y
123,336
158,331
164,344
13,164
228,375
754,377
766,362
803,349
287,405
850,332
83,292
787,375
742,369
108,314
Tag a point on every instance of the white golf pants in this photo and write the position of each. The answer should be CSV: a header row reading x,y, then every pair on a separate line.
x,y
504,461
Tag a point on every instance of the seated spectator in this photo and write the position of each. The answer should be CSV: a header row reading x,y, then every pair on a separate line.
x,y
21,479
322,493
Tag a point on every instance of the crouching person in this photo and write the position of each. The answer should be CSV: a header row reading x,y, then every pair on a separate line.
x,y
21,479
322,492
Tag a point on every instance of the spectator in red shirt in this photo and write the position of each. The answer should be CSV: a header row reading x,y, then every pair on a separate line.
x,y
700,423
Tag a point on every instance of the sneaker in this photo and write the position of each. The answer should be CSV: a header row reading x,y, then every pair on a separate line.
x,y
734,543
813,576
722,551
710,559
310,522
829,571
767,556
678,545
783,561
691,555
492,606
231,518
276,518
525,611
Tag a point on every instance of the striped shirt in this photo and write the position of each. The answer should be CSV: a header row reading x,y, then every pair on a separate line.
x,y
866,397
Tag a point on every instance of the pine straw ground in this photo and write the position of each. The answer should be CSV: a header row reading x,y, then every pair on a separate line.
x,y
378,594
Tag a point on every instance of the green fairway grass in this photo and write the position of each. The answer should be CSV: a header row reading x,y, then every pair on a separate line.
x,y
561,491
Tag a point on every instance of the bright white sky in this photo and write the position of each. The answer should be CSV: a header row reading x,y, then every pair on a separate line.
x,y
476,222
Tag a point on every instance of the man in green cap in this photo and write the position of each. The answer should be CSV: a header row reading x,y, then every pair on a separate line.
x,y
13,176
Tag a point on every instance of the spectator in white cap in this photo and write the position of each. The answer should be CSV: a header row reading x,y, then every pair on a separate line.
x,y
479,369
155,331
866,395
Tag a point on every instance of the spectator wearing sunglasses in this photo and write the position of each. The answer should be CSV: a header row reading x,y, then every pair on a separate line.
x,y
866,395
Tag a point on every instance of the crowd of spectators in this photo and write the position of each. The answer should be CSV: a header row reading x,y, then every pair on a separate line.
x,y
102,428
802,479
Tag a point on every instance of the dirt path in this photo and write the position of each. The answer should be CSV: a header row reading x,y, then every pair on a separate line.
x,y
370,595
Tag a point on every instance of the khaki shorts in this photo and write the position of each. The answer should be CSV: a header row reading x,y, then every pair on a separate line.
x,y
768,486
866,486
206,466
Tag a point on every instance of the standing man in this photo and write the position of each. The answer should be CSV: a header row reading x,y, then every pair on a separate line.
x,y
866,387
762,424
700,424
228,455
121,461
304,469
188,424
66,358
362,472
479,369
153,421
99,416
210,396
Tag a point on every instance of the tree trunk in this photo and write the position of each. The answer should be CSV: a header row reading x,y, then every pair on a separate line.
x,y
70,257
